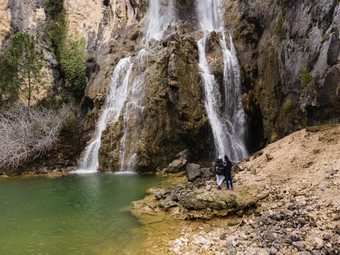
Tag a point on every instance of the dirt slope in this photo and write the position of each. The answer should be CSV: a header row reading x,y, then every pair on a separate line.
x,y
300,215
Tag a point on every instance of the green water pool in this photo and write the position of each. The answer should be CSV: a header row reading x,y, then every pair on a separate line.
x,y
76,214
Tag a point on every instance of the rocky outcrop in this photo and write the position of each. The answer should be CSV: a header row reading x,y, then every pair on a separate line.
x,y
173,113
288,52
4,21
278,42
199,198
275,51
95,20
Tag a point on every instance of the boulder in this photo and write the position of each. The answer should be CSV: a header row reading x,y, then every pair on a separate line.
x,y
192,172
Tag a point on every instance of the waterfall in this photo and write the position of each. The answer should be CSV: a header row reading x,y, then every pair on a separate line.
x,y
126,95
161,15
229,125
125,98
114,102
132,124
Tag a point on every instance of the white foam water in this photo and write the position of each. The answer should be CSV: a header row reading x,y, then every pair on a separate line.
x,y
229,126
161,15
114,102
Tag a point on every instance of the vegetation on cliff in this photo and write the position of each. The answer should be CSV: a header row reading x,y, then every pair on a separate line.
x,y
69,52
21,68
26,67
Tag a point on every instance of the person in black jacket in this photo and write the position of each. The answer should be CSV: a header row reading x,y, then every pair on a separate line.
x,y
227,172
219,172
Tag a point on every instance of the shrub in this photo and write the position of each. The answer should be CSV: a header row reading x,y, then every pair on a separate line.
x,y
306,78
279,26
70,53
26,135
324,38
54,7
288,106
73,65
319,128
316,151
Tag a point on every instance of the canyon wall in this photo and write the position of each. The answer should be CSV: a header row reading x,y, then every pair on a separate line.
x,y
288,53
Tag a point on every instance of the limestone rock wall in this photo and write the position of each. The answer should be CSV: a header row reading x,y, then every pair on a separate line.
x,y
28,16
22,15
4,21
277,41
97,19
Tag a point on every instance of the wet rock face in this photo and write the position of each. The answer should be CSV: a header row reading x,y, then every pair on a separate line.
x,y
172,119
276,41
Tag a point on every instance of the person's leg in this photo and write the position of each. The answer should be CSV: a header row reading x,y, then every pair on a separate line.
x,y
231,181
227,181
219,180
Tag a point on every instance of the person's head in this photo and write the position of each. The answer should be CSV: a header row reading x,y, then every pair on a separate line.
x,y
226,158
219,160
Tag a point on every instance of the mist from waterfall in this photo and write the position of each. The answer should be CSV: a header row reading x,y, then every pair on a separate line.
x,y
115,98
161,15
229,126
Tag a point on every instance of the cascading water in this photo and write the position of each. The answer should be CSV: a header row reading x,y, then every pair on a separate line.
x,y
229,128
161,16
126,95
132,120
114,102
125,98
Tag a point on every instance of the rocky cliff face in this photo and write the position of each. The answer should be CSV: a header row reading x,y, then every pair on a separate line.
x,y
290,70
289,51
276,42
4,21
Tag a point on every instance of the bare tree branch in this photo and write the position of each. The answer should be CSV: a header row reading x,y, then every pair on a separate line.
x,y
26,135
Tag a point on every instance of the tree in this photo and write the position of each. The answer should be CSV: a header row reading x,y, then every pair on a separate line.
x,y
8,86
27,62
73,65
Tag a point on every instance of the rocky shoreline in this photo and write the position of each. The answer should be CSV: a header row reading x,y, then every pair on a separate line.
x,y
286,201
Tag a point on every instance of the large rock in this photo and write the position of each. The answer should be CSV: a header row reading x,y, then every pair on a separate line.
x,y
192,171
172,119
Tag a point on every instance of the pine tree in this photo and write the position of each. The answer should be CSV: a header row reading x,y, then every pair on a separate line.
x,y
27,62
